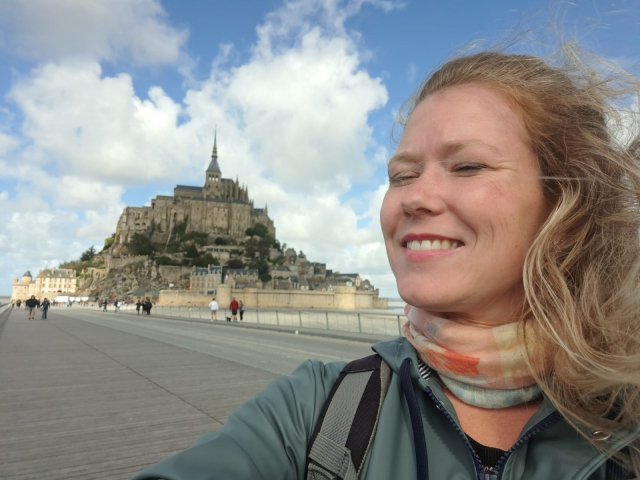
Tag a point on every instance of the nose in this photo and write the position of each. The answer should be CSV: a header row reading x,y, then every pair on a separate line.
x,y
425,195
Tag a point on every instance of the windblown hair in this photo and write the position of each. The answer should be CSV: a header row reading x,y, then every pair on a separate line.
x,y
581,275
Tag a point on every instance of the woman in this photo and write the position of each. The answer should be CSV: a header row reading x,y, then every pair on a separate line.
x,y
511,224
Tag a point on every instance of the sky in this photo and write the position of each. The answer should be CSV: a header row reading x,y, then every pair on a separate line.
x,y
108,103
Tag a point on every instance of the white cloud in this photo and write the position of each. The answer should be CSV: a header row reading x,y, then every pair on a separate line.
x,y
106,30
96,126
307,110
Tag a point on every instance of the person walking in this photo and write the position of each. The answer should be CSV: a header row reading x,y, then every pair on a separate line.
x,y
146,306
138,306
241,309
45,307
31,305
213,306
233,306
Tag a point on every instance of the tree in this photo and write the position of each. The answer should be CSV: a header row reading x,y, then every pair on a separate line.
x,y
258,230
235,263
140,245
88,254
191,251
109,241
204,260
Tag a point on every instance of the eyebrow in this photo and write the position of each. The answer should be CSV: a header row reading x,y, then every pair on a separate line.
x,y
451,148
445,150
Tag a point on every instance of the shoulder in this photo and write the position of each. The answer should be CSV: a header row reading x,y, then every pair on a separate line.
x,y
267,437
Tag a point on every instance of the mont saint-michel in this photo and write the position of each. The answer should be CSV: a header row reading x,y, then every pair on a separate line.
x,y
202,242
221,208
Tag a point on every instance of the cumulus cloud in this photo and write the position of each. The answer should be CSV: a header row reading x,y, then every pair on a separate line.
x,y
96,126
105,30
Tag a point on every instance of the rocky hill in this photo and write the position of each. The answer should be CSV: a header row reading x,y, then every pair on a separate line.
x,y
143,267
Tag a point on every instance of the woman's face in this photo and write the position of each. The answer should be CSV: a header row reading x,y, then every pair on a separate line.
x,y
463,206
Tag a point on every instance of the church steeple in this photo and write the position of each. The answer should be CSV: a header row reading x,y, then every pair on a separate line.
x,y
214,168
213,174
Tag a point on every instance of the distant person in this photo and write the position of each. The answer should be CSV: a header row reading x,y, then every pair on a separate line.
x,y
104,305
138,306
233,306
117,305
213,306
241,309
45,307
146,306
32,305
511,223
18,303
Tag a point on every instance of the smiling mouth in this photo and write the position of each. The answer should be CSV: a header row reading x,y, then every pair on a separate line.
x,y
425,245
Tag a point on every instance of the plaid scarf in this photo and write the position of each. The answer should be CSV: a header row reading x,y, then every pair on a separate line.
x,y
484,367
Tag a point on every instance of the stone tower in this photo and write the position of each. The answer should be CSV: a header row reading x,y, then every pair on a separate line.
x,y
213,175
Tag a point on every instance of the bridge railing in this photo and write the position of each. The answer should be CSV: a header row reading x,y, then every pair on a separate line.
x,y
359,322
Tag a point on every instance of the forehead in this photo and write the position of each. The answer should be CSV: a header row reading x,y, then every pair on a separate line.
x,y
468,112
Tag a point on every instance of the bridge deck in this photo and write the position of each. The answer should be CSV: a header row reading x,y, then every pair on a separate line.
x,y
79,400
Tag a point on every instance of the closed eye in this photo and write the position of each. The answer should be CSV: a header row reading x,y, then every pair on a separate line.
x,y
468,168
401,179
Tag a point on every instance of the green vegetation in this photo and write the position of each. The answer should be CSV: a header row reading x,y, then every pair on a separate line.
x,y
108,242
140,244
88,258
185,249
88,254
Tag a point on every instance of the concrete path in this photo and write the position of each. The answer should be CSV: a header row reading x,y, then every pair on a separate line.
x,y
82,401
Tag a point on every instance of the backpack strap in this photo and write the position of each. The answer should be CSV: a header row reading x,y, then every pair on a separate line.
x,y
615,471
348,420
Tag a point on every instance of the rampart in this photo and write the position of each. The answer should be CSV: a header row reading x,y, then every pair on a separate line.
x,y
341,298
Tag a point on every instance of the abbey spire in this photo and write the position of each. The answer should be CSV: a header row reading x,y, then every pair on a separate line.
x,y
213,167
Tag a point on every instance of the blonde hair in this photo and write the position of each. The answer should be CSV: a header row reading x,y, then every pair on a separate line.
x,y
581,274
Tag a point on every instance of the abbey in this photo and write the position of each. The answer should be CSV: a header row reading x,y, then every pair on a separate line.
x,y
221,208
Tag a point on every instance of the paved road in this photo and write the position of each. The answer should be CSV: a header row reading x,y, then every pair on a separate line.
x,y
93,395
275,352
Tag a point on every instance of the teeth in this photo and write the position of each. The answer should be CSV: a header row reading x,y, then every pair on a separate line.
x,y
432,245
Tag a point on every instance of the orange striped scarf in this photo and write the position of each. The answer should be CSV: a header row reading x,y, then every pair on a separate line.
x,y
481,366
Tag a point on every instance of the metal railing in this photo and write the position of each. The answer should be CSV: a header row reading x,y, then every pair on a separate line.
x,y
358,322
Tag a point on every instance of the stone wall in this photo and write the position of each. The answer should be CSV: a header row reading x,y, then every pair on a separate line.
x,y
342,298
119,262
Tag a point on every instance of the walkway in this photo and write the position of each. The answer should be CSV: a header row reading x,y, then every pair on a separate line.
x,y
82,401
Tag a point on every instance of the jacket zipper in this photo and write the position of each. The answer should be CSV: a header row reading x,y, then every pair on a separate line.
x,y
536,429
484,472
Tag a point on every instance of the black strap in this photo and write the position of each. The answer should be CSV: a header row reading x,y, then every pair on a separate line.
x,y
361,425
615,471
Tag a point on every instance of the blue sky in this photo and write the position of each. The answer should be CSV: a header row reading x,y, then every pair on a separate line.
x,y
109,103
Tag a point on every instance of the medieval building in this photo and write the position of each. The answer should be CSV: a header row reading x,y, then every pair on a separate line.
x,y
220,208
50,282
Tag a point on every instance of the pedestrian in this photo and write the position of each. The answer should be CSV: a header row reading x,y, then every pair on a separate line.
x,y
138,306
104,305
45,307
241,309
117,306
31,304
146,306
233,306
213,306
511,224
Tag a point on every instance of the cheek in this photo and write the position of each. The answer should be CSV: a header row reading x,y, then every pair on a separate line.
x,y
387,215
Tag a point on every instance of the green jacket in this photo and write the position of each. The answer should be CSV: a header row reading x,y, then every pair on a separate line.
x,y
267,437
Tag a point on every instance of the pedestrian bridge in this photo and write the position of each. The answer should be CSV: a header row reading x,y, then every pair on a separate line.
x,y
88,394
